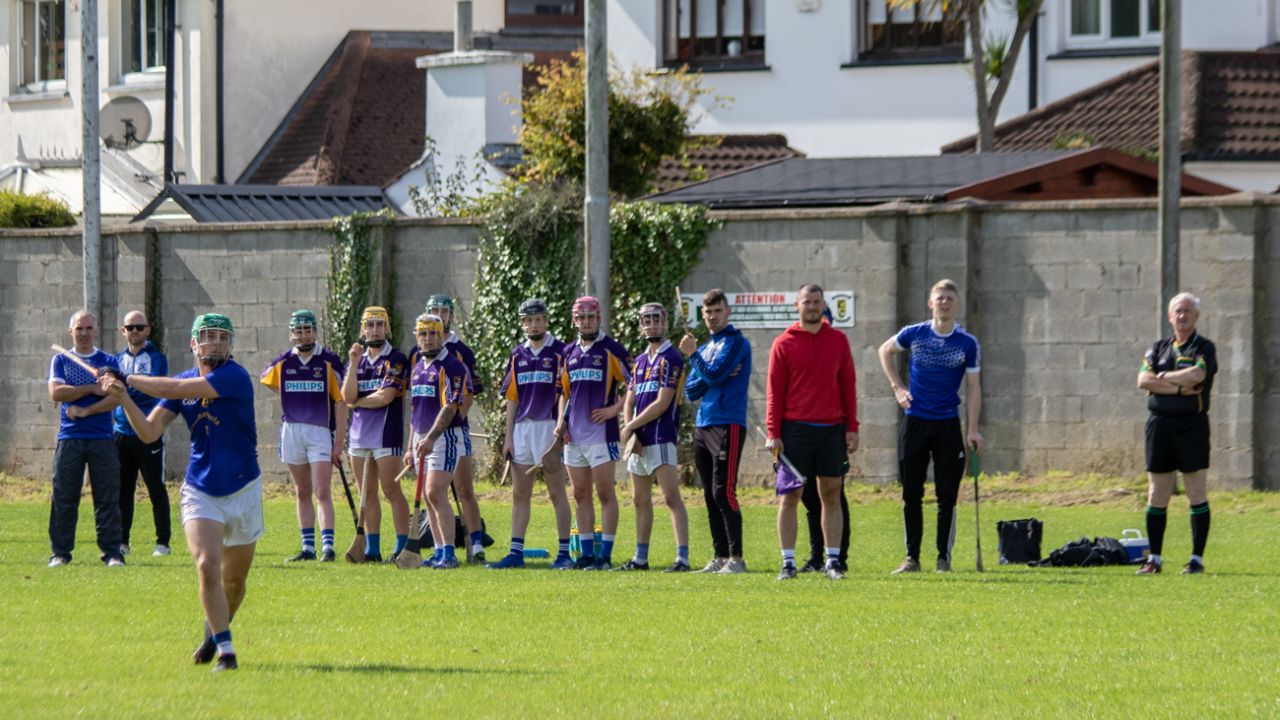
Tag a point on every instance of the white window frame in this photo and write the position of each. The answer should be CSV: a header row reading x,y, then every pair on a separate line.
x,y
1103,38
147,74
39,85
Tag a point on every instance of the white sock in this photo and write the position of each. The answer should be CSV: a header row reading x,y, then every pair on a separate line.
x,y
1155,559
1197,559
789,557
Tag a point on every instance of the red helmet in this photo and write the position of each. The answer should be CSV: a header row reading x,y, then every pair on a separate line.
x,y
586,304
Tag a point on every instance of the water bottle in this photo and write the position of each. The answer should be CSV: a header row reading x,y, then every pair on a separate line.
x,y
536,553
575,543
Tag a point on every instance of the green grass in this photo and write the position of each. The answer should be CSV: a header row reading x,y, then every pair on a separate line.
x,y
353,641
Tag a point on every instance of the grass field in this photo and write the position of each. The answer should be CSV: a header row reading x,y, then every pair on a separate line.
x,y
354,641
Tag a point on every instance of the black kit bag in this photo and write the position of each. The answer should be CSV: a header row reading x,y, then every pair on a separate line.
x,y
1087,553
1019,540
460,538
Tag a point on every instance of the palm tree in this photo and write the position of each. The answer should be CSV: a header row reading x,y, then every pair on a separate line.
x,y
993,58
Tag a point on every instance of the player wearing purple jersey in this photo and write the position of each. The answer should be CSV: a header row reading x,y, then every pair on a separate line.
x,y
593,371
308,379
652,413
530,390
438,387
221,497
442,307
374,389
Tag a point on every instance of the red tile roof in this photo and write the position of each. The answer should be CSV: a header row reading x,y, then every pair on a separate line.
x,y
1230,111
723,154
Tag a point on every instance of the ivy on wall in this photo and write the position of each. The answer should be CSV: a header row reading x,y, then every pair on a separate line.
x,y
350,285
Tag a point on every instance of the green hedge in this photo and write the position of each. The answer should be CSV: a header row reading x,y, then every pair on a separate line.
x,y
33,211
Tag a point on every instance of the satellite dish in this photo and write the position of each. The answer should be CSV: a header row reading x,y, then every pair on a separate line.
x,y
124,123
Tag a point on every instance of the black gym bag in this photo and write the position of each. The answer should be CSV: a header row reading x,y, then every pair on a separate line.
x,y
1019,540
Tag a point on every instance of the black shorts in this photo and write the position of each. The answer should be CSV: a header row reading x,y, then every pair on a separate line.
x,y
1177,443
815,450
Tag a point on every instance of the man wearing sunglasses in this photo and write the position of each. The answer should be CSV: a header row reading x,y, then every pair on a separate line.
x,y
140,357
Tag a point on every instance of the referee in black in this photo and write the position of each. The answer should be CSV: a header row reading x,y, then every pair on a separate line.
x,y
1177,375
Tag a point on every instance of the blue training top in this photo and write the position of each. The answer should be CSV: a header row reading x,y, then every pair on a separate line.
x,y
149,361
224,436
719,375
67,372
938,364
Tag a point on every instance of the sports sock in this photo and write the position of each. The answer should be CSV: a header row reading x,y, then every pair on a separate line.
x,y
1199,528
1196,559
449,553
477,541
588,548
607,552
326,539
788,557
517,546
642,553
1155,558
833,556
372,544
682,553
309,539
401,541
1156,521
564,548
223,641
437,555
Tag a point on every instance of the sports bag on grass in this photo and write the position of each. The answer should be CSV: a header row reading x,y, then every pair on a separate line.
x,y
1019,540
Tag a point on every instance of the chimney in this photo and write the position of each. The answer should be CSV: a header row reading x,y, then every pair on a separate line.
x,y
462,41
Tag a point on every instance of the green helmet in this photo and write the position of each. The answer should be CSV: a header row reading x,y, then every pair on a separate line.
x,y
211,321
443,301
302,318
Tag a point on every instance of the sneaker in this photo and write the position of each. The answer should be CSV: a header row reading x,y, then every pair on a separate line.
x,y
812,566
833,572
1149,568
585,563
679,566
205,653
162,551
507,563
328,556
562,562
632,565
715,566
733,567
449,563
788,572
225,662
601,564
910,565
302,556
477,559
1192,568
115,561
374,558
944,566
125,549
58,560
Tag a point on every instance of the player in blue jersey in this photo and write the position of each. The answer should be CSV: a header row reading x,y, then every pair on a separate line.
x,y
593,377
530,390
313,428
140,357
84,441
942,355
221,496
652,414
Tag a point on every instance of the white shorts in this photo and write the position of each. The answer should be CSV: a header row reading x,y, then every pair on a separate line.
x,y
531,438
650,458
302,444
444,454
465,434
594,455
375,453
240,512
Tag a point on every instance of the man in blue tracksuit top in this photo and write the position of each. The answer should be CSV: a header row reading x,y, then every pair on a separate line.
x,y
140,357
719,375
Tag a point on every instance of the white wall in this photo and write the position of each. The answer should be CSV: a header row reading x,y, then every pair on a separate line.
x,y
1250,176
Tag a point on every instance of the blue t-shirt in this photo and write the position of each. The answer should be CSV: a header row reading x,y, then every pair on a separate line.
x,y
938,364
224,436
67,372
149,361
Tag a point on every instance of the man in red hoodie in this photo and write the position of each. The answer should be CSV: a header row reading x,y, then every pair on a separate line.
x,y
812,417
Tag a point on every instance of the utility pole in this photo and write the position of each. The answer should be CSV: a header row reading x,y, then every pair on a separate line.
x,y
1170,152
596,257
91,241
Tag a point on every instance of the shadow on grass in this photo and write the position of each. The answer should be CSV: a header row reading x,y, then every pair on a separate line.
x,y
388,668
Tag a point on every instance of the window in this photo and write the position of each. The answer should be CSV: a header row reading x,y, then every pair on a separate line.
x,y
545,13
713,33
43,39
142,30
922,30
1119,21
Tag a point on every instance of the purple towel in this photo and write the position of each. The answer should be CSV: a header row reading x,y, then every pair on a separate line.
x,y
789,479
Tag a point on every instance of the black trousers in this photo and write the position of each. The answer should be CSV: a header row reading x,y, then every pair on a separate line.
x,y
920,441
717,452
69,462
148,459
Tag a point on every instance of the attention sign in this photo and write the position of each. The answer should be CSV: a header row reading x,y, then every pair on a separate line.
x,y
770,309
